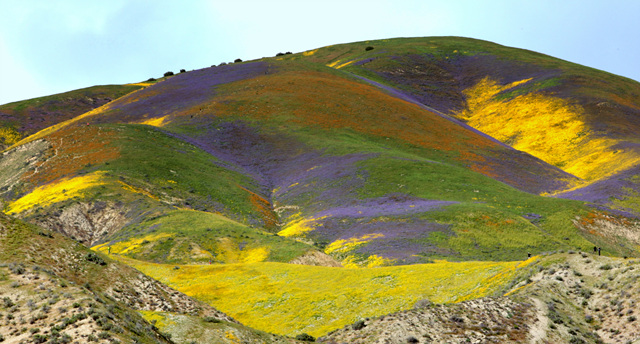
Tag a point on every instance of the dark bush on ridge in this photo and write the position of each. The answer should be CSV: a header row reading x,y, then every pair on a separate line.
x,y
151,79
183,71
280,54
358,325
288,53
237,60
92,257
368,48
305,337
168,74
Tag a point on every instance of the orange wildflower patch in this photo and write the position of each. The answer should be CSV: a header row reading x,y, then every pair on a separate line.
x,y
72,149
313,99
263,207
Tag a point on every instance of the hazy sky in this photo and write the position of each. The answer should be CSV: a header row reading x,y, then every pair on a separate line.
x,y
53,46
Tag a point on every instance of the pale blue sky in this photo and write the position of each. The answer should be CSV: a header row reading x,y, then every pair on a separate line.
x,y
51,46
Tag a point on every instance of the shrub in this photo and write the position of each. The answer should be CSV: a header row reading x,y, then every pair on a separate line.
x,y
280,54
368,48
65,339
183,71
7,303
40,338
586,293
17,269
168,73
422,304
212,320
412,339
237,60
94,258
605,267
288,53
576,340
151,79
305,337
358,325
631,318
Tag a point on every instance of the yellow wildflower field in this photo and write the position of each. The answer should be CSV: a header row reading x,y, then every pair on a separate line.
x,y
289,299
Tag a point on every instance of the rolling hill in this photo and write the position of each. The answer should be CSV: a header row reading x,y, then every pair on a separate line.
x,y
378,161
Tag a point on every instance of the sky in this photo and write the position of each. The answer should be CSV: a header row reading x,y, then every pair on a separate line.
x,y
54,46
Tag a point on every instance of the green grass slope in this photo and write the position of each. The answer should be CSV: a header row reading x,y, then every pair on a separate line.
x,y
138,178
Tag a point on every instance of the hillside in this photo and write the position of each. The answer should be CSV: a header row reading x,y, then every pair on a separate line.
x,y
579,119
23,118
369,164
54,289
567,298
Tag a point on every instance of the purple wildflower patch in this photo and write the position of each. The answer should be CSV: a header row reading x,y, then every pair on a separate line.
x,y
390,205
439,82
405,239
603,192
179,92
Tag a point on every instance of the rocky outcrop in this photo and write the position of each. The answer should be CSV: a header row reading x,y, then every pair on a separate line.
x,y
87,223
316,258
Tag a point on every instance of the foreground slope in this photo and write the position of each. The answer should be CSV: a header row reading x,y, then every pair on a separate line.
x,y
567,298
59,290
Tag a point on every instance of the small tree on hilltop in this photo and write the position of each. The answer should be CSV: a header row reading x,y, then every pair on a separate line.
x,y
168,73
